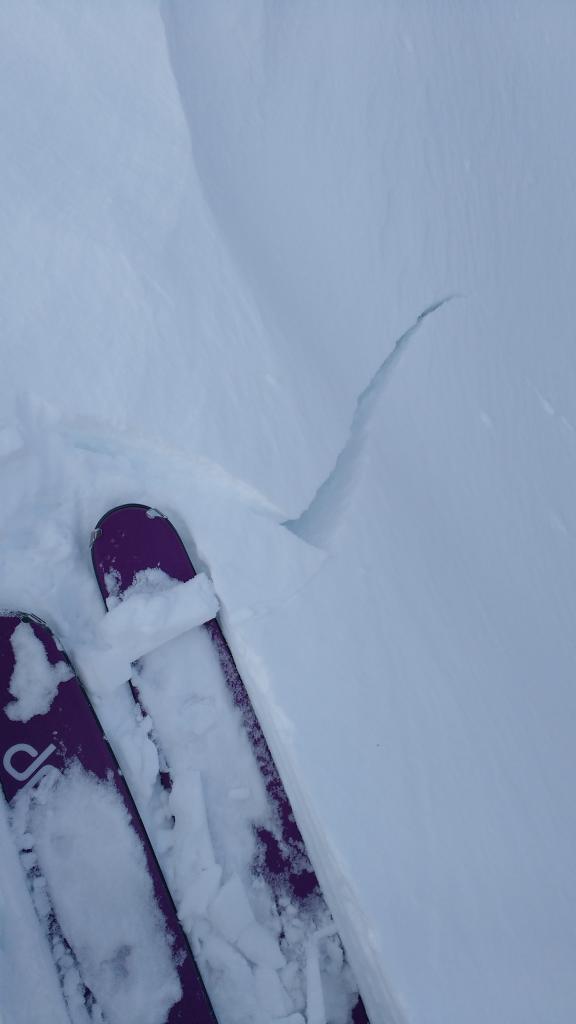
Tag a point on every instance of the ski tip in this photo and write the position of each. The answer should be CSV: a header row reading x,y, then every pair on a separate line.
x,y
129,505
149,510
11,613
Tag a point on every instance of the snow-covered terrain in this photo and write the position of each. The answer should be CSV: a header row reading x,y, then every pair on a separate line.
x,y
300,275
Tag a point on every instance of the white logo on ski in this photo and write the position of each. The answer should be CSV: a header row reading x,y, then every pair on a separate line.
x,y
25,748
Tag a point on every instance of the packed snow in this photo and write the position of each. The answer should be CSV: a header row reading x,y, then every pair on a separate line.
x,y
34,682
75,829
301,276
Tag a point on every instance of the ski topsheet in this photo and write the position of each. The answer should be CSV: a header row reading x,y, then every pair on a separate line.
x,y
120,951
134,548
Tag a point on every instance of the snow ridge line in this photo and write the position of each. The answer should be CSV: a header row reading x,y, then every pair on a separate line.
x,y
318,520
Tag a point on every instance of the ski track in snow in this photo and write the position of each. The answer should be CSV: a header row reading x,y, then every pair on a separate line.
x,y
319,520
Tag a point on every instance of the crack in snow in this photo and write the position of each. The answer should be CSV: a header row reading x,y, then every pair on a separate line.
x,y
317,521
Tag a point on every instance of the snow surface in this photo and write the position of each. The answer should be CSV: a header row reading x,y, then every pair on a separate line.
x,y
302,277
74,827
25,994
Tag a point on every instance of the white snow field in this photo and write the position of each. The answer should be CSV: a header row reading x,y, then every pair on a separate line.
x,y
301,275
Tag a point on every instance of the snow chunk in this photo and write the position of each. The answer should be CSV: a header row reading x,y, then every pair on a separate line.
x,y
271,993
232,915
315,1007
153,611
103,668
233,990
95,872
259,946
34,681
157,609
231,912
197,873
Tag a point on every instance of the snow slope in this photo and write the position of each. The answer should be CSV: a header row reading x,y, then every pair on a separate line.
x,y
325,253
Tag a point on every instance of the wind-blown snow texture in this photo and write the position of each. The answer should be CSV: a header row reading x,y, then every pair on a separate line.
x,y
217,220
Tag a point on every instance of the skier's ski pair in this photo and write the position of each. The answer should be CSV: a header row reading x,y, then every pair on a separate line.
x,y
44,735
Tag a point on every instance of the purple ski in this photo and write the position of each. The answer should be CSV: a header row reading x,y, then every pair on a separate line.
x,y
134,538
39,745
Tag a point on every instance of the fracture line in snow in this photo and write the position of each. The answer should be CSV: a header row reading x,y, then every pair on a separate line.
x,y
318,520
